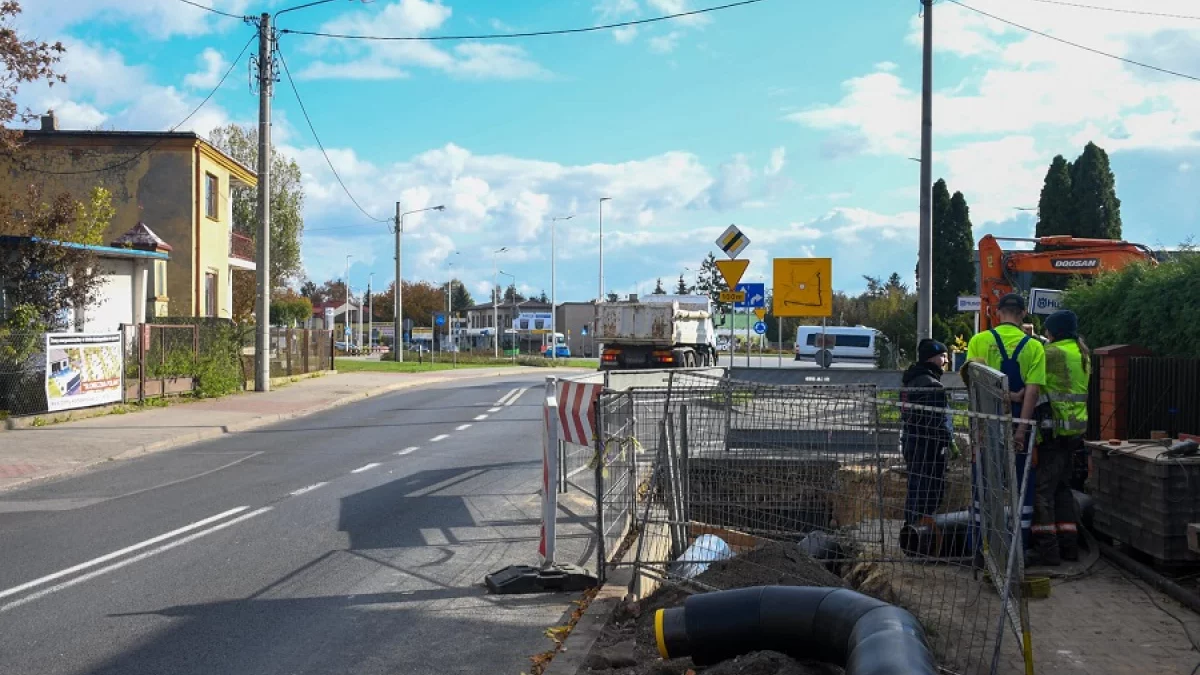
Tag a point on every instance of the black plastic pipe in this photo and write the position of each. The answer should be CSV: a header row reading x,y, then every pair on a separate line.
x,y
863,635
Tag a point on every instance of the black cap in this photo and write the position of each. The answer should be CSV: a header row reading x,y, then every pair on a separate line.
x,y
928,349
1014,301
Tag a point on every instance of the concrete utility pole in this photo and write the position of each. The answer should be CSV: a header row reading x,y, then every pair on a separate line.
x,y
370,313
398,296
346,317
600,296
496,302
262,309
925,254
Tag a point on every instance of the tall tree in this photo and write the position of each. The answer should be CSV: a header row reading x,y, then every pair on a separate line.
x,y
953,260
24,61
511,294
710,282
287,200
682,288
460,297
1094,195
942,228
658,287
1055,214
40,274
543,298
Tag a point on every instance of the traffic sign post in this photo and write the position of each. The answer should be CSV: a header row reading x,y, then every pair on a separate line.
x,y
760,328
803,287
761,313
732,241
736,297
755,296
732,270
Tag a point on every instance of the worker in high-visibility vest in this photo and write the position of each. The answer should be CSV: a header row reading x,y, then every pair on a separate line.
x,y
1055,513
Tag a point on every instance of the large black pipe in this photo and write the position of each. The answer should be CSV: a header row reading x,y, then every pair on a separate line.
x,y
835,625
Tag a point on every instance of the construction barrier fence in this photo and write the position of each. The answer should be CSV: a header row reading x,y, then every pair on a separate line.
x,y
909,497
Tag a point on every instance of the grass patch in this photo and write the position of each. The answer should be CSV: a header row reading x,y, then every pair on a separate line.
x,y
355,366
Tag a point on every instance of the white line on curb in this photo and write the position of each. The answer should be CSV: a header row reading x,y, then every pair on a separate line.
x,y
117,554
129,561
407,450
439,438
310,488
361,469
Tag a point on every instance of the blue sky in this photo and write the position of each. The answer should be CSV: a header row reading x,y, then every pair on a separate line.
x,y
795,120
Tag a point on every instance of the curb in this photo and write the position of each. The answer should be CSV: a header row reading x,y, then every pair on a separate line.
x,y
571,658
261,421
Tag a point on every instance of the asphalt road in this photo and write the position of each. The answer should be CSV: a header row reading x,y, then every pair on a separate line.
x,y
351,541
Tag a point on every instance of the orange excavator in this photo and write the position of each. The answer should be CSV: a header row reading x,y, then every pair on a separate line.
x,y
1063,255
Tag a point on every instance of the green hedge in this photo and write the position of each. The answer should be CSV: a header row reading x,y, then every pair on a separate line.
x,y
1155,307
218,368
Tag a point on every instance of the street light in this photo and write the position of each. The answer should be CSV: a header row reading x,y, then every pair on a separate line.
x,y
450,299
553,290
600,297
496,302
346,317
370,312
398,296
495,310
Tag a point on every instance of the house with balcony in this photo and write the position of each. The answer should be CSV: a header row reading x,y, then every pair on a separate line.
x,y
175,183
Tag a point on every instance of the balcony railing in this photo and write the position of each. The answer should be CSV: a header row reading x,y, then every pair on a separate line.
x,y
241,247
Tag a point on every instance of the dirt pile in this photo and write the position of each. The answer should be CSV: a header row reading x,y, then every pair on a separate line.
x,y
628,647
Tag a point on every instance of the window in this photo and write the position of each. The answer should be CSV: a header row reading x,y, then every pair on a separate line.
x,y
212,190
210,294
857,341
160,279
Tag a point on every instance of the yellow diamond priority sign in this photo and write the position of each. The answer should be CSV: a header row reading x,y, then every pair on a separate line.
x,y
732,241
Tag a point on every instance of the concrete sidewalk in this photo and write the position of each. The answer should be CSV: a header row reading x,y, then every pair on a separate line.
x,y
41,452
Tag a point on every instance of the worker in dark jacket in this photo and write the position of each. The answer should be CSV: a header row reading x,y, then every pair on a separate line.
x,y
926,431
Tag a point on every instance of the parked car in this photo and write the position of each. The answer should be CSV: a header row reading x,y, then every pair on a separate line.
x,y
564,352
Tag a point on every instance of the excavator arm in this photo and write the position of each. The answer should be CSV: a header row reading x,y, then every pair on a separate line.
x,y
1064,255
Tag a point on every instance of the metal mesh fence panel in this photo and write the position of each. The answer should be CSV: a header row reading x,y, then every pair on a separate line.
x,y
876,484
22,373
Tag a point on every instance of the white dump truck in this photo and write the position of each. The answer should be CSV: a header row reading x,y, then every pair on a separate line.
x,y
658,331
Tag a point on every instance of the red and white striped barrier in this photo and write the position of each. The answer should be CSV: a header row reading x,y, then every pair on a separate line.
x,y
568,416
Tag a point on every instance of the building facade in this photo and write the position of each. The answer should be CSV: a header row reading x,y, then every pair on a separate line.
x,y
177,183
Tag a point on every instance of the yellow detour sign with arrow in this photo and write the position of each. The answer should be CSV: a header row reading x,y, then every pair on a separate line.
x,y
732,270
803,287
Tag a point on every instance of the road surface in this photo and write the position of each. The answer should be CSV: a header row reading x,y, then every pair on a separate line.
x,y
351,541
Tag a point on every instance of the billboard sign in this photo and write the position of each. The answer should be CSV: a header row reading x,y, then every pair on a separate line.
x,y
1044,301
83,369
532,321
969,303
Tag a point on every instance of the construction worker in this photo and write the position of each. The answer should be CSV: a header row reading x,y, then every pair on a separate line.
x,y
1008,349
1055,514
927,431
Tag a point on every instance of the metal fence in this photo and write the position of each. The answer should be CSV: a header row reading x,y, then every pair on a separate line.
x,y
1164,395
296,351
160,359
916,505
22,373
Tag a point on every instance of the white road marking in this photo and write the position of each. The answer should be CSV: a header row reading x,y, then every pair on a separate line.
x,y
310,488
117,554
520,393
439,438
494,410
129,561
462,427
407,450
480,418
367,467
504,398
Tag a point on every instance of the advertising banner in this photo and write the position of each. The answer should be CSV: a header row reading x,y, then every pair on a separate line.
x,y
83,369
532,321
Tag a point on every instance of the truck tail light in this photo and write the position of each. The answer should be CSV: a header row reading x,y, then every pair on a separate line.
x,y
664,357
610,355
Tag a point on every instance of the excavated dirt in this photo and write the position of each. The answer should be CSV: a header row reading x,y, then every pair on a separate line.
x,y
627,645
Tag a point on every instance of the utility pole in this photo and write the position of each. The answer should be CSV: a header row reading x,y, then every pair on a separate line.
x,y
397,304
262,310
496,301
370,314
554,288
346,318
600,296
925,253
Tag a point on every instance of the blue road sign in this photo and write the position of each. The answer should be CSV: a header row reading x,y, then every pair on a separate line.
x,y
756,296
583,331
439,319
760,328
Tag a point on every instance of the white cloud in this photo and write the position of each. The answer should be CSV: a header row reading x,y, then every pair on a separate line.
x,y
494,61
357,70
1184,167
733,185
625,35
617,9
664,44
678,7
158,19
775,164
214,65
885,66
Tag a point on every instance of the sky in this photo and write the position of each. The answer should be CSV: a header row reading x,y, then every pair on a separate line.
x,y
797,121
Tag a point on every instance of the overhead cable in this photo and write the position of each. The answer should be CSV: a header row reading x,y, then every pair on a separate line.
x,y
212,9
317,138
1077,45
536,33
1119,10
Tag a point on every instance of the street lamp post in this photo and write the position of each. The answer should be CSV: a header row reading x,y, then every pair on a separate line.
x,y
370,313
554,289
495,310
346,316
600,297
398,296
496,302
450,305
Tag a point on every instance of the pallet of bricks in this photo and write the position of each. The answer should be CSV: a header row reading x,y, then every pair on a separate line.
x,y
710,483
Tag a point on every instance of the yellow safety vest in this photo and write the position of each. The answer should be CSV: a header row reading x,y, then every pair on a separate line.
x,y
1066,388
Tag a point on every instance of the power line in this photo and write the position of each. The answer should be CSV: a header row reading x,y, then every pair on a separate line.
x,y
1077,45
213,10
320,145
1119,10
155,144
538,33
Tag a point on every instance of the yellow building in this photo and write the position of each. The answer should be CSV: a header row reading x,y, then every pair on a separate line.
x,y
176,183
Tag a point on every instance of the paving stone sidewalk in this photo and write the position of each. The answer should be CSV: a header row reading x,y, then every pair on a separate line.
x,y
42,452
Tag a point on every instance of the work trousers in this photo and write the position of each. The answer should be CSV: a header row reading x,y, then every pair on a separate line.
x,y
1055,514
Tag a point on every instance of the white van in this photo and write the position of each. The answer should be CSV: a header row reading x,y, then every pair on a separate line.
x,y
847,344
